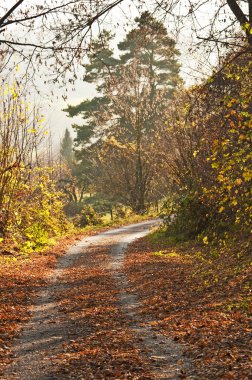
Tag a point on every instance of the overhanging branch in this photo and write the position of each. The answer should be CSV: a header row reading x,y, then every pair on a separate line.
x,y
10,11
237,11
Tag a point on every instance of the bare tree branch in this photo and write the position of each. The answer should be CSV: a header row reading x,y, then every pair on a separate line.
x,y
11,10
64,28
28,18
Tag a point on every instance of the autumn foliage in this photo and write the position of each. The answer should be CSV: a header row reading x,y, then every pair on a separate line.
x,y
146,139
205,147
30,203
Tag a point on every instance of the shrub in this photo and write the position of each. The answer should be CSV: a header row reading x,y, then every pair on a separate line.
x,y
87,217
72,209
185,217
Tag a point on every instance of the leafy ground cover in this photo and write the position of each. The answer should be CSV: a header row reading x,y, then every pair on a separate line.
x,y
200,297
102,345
21,278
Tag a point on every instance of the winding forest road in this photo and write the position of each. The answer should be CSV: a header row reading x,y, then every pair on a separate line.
x,y
85,324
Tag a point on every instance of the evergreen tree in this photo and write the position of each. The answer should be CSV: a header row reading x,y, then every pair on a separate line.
x,y
75,174
155,51
93,111
66,148
133,93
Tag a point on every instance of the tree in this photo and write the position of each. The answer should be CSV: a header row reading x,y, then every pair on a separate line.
x,y
154,50
134,92
74,174
66,148
206,153
30,205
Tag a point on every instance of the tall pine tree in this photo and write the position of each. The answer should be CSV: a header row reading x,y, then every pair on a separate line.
x,y
133,92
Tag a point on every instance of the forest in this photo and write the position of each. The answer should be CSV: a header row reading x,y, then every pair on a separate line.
x,y
147,146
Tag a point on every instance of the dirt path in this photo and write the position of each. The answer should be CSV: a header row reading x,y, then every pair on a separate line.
x,y
84,324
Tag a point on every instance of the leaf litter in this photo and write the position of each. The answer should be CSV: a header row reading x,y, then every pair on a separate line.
x,y
198,300
113,322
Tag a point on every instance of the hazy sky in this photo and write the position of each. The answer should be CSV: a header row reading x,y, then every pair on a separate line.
x,y
191,70
120,20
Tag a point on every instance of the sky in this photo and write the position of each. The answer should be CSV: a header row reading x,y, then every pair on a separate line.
x,y
57,119
192,69
119,20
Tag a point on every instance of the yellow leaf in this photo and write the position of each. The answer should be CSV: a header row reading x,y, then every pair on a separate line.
x,y
247,175
205,240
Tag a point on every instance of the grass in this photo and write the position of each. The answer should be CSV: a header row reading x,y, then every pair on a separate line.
x,y
132,218
161,238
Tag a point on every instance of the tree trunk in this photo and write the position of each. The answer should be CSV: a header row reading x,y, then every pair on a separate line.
x,y
242,18
140,188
